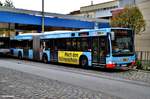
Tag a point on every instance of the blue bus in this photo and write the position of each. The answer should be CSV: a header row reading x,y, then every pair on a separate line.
x,y
111,48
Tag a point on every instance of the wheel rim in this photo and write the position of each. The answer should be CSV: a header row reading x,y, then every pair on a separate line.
x,y
45,60
84,62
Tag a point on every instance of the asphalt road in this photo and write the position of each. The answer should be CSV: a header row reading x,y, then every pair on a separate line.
x,y
121,88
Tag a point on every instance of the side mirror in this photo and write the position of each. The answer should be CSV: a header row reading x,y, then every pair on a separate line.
x,y
112,36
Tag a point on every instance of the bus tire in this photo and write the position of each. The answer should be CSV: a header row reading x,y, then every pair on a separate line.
x,y
19,55
45,59
84,62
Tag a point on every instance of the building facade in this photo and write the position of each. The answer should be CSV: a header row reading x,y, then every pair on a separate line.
x,y
102,10
142,41
108,9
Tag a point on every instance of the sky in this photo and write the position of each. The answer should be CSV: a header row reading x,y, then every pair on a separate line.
x,y
54,6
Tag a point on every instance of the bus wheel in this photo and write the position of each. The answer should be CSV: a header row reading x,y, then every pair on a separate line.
x,y
45,60
20,55
84,62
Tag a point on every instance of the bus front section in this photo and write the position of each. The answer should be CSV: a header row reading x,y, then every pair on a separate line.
x,y
122,54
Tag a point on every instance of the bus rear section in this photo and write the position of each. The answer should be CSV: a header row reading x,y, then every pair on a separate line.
x,y
4,45
26,46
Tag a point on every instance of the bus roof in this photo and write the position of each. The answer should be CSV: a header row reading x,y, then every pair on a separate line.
x,y
67,34
25,36
70,34
80,33
31,34
116,28
121,28
57,32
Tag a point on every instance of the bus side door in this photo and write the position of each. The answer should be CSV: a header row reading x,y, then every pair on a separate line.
x,y
95,49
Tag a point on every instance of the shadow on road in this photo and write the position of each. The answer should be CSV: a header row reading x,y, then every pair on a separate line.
x,y
93,68
75,66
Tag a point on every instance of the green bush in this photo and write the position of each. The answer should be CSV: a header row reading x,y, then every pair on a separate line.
x,y
139,64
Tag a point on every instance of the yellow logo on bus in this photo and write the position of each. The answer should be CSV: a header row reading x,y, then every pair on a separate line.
x,y
69,57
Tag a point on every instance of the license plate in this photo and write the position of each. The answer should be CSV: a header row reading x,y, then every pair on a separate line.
x,y
124,65
125,59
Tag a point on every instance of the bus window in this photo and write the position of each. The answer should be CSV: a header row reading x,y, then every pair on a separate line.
x,y
84,44
78,44
74,44
68,44
61,44
50,43
31,44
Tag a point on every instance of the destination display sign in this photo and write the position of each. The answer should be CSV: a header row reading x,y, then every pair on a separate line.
x,y
121,32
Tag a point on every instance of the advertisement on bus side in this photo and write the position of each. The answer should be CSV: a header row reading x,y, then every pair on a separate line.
x,y
69,57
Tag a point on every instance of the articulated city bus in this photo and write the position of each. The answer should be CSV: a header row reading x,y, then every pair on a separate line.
x,y
107,47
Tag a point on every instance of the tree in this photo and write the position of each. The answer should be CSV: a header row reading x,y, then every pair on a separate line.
x,y
1,4
129,17
9,3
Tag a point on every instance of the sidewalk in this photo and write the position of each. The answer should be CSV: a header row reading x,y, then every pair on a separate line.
x,y
135,75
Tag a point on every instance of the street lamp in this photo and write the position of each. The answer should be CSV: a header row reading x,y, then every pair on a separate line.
x,y
43,16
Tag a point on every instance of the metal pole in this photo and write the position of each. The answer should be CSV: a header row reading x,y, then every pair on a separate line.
x,y
43,16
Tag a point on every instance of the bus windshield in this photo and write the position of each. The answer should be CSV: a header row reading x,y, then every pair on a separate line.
x,y
123,43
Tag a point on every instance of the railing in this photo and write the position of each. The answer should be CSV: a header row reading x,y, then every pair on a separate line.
x,y
143,58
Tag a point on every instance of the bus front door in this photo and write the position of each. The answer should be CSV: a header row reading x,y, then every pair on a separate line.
x,y
95,50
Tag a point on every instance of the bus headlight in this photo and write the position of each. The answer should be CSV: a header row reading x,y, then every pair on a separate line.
x,y
110,65
133,63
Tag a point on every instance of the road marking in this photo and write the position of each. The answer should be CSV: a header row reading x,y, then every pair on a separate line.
x,y
7,96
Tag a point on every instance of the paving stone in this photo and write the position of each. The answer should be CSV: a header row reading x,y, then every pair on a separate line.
x,y
18,85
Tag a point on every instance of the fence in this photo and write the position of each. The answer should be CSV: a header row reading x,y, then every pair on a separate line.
x,y
144,58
